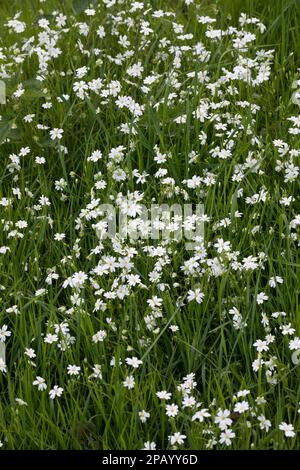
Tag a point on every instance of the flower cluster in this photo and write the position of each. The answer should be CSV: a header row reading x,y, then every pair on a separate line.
x,y
123,103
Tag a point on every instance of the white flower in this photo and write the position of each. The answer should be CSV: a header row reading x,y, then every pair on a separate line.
x,y
50,338
90,12
257,364
164,395
241,407
56,133
294,343
95,156
201,414
261,297
97,372
135,70
59,236
222,245
174,328
44,201
73,370
119,175
222,419
149,446
226,437
100,32
288,429
40,383
133,362
30,353
264,423
177,438
129,382
242,393
77,281
261,345
275,280
287,329
261,400
56,392
21,402
195,295
188,402
16,25
99,336
144,415
4,333
172,410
